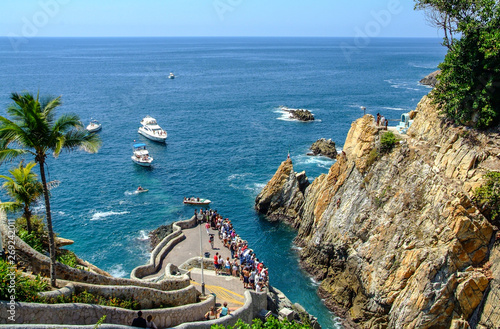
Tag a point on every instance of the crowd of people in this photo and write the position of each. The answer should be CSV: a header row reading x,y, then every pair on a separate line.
x,y
243,262
382,121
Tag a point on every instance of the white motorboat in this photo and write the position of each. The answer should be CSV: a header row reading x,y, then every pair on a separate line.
x,y
150,129
171,76
197,201
94,126
141,155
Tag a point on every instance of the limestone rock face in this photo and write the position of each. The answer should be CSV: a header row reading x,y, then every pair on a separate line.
x,y
324,147
283,196
396,241
430,80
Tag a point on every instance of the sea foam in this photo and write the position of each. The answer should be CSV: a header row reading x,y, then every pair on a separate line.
x,y
103,215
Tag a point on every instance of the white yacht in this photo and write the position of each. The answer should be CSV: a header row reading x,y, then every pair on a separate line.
x,y
150,129
141,155
94,126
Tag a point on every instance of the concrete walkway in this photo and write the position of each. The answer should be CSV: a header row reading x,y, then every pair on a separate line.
x,y
226,288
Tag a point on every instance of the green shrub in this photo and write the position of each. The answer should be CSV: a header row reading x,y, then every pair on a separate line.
x,y
487,196
87,298
38,239
372,157
67,257
271,323
25,289
32,240
387,142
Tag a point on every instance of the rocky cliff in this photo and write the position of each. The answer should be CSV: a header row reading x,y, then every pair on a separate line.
x,y
395,238
430,80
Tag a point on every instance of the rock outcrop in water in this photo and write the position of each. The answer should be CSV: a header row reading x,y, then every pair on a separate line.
x,y
396,238
430,80
324,147
302,115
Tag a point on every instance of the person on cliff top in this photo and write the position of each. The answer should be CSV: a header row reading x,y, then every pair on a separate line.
x,y
139,321
150,323
378,119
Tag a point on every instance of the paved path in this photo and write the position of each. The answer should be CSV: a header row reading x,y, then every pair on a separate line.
x,y
226,288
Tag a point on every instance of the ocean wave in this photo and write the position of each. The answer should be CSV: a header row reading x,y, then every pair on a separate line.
x,y
117,271
320,161
237,176
424,66
396,109
102,215
315,283
255,188
62,213
143,235
403,85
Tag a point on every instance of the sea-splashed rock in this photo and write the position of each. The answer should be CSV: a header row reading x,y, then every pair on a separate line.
x,y
324,147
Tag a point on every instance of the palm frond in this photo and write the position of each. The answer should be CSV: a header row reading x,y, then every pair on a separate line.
x,y
11,206
80,139
48,105
11,154
66,122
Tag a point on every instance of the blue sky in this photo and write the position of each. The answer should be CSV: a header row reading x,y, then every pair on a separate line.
x,y
342,18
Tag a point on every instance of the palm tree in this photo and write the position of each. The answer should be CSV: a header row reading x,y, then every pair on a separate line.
x,y
35,130
24,188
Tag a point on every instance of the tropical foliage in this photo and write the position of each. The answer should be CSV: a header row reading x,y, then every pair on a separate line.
x,y
33,129
25,289
467,91
488,196
24,188
271,323
387,142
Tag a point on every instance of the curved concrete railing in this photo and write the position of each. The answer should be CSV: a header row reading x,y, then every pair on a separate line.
x,y
87,314
254,303
161,250
40,264
146,297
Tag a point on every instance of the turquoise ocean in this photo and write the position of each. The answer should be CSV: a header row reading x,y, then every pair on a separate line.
x,y
226,135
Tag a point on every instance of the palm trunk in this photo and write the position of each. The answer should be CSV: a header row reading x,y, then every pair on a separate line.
x,y
52,246
27,215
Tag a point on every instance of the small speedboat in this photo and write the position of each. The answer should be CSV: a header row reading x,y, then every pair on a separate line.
x,y
171,76
141,190
197,201
150,129
141,155
94,126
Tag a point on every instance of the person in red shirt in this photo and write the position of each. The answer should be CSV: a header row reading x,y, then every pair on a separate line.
x,y
216,263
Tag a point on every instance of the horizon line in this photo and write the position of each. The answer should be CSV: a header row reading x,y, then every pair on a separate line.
x,y
218,36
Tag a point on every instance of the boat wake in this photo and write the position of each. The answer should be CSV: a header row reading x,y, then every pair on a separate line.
x,y
103,215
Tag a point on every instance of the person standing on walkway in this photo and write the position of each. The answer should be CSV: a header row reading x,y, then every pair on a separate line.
x,y
150,323
216,263
139,321
207,226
